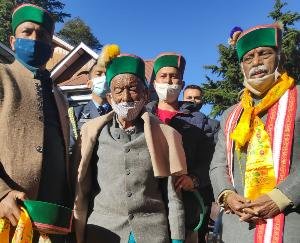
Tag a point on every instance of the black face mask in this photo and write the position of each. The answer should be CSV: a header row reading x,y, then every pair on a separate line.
x,y
195,106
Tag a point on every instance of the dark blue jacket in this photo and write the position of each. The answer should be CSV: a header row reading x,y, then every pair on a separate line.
x,y
198,143
84,113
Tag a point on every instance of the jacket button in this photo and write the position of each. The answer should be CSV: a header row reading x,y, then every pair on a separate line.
x,y
127,172
129,194
36,180
39,149
130,216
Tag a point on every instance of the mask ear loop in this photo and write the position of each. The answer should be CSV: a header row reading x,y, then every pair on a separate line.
x,y
277,74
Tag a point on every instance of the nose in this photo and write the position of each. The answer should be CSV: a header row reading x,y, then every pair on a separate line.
x,y
170,79
257,60
126,95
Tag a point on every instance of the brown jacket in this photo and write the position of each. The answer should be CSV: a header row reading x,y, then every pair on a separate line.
x,y
22,129
165,148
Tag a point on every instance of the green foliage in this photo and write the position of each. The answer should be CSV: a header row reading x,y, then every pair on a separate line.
x,y
76,31
7,7
224,92
291,39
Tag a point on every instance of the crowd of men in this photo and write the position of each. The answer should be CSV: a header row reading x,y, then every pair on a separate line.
x,y
136,169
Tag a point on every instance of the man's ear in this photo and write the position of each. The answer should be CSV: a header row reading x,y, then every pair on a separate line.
x,y
108,97
12,41
89,84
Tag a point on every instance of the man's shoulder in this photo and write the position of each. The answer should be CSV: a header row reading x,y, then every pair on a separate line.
x,y
82,109
92,127
151,107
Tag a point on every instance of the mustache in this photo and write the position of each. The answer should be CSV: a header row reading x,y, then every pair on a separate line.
x,y
260,68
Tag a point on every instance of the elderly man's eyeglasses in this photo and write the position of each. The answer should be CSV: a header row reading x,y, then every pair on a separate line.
x,y
261,55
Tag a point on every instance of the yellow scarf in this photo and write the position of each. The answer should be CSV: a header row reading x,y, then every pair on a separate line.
x,y
23,232
259,173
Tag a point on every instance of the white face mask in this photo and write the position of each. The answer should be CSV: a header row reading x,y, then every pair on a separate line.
x,y
99,86
128,110
259,86
167,92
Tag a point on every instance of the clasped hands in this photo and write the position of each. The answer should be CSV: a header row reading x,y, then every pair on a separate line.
x,y
251,211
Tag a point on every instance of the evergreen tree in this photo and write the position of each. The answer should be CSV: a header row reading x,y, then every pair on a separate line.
x,y
224,92
7,7
75,31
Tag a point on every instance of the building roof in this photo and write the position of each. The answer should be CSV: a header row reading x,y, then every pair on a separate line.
x,y
56,40
75,81
148,69
73,62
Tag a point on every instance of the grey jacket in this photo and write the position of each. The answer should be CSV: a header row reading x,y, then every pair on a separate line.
x,y
147,207
130,197
289,187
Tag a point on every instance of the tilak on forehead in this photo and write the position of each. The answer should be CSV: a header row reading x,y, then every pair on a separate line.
x,y
32,13
269,35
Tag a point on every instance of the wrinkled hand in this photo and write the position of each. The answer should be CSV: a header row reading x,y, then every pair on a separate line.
x,y
184,182
236,203
261,208
9,208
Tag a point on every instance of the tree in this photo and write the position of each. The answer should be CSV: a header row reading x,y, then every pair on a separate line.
x,y
75,31
224,92
7,7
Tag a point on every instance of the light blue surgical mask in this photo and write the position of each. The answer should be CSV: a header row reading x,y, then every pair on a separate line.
x,y
32,52
100,86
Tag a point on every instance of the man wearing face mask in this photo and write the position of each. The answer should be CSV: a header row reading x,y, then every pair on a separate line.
x,y
168,73
255,171
97,106
34,134
193,93
137,157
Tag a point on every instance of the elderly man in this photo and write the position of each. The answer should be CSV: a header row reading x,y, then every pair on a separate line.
x,y
168,72
131,156
255,169
34,133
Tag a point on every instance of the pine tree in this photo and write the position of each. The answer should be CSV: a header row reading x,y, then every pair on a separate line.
x,y
7,7
75,31
224,92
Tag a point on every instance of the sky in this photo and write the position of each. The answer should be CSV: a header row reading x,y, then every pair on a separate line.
x,y
193,28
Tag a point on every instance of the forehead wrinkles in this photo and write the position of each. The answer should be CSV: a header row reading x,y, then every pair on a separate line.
x,y
124,79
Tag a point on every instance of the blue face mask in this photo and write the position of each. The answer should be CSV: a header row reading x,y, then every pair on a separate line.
x,y
100,86
32,52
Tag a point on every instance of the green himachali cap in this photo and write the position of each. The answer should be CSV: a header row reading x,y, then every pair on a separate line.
x,y
169,60
32,13
49,218
125,63
262,35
